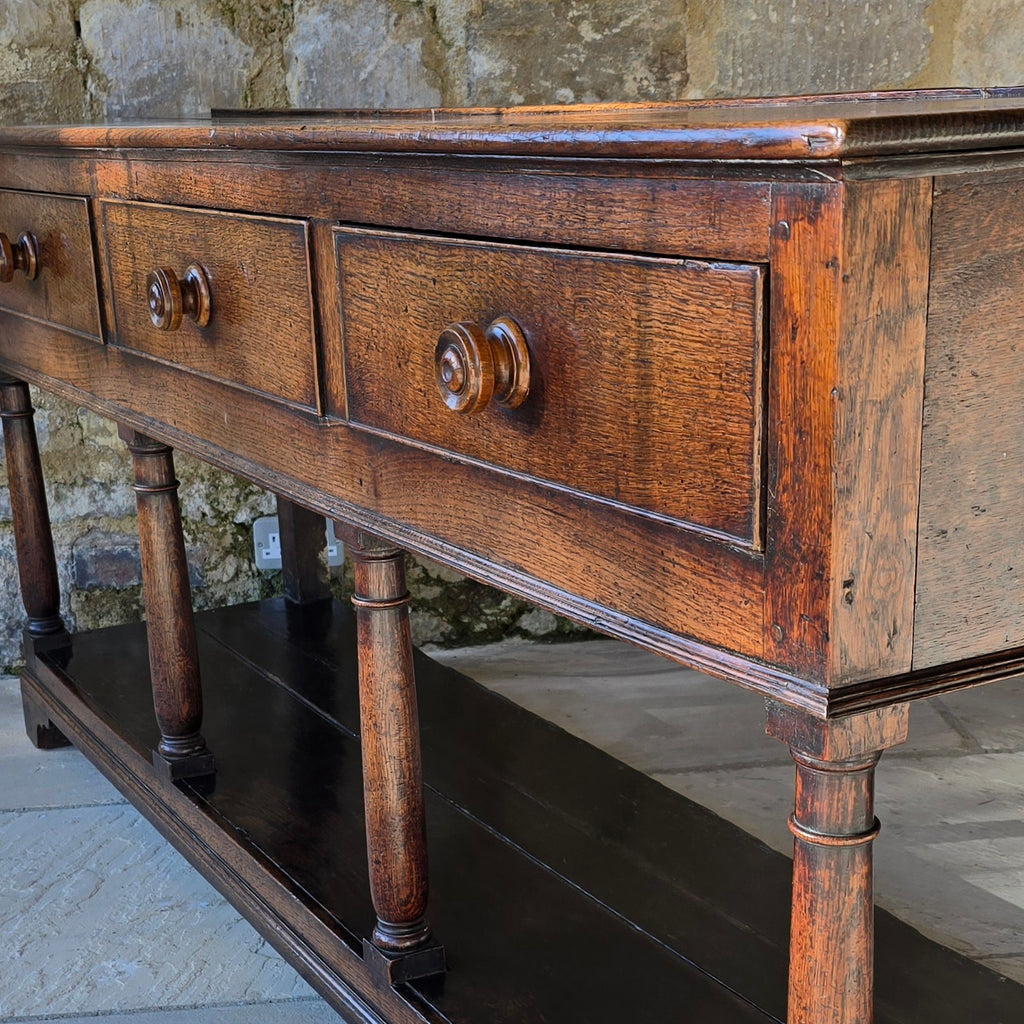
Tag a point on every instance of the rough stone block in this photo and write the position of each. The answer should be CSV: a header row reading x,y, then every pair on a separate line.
x,y
111,561
986,46
39,80
776,47
362,53
538,52
107,560
151,59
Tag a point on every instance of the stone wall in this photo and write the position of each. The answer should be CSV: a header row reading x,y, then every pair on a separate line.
x,y
69,60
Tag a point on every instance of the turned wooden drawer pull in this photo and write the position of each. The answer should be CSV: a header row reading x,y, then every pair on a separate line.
x,y
473,365
170,299
21,255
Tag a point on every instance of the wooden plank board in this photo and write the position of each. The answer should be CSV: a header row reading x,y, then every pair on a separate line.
x,y
970,572
566,885
878,400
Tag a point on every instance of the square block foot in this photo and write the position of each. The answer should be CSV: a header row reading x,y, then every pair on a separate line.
x,y
395,968
197,766
41,731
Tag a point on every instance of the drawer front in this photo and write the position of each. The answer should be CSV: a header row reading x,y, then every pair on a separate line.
x,y
63,291
645,374
260,329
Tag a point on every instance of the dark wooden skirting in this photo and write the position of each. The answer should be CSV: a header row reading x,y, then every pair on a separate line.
x,y
565,886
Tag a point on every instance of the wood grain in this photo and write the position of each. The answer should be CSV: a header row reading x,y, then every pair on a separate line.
x,y
740,499
396,833
806,284
602,565
303,556
646,374
65,290
970,574
787,128
260,334
831,966
879,394
667,211
33,536
170,629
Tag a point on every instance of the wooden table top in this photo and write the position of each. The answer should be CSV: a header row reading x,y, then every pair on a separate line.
x,y
782,128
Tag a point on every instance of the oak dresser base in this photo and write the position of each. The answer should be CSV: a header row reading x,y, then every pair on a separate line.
x,y
549,908
736,381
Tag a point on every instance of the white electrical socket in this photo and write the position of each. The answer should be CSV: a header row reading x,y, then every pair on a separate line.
x,y
266,539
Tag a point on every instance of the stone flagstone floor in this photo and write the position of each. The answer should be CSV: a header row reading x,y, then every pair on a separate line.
x,y
101,921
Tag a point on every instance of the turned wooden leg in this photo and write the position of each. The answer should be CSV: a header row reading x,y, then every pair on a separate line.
x,y
303,563
392,776
37,565
831,958
173,657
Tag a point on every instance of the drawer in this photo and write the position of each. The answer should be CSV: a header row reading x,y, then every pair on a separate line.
x,y
259,333
645,374
63,290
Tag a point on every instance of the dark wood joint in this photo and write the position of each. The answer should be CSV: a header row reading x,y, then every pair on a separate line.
x,y
198,764
41,730
390,969
303,558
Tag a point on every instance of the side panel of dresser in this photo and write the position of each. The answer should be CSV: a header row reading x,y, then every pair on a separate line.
x,y
970,576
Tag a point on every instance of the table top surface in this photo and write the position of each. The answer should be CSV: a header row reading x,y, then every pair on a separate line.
x,y
825,128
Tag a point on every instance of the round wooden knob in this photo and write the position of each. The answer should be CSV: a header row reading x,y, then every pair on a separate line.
x,y
472,366
21,255
170,299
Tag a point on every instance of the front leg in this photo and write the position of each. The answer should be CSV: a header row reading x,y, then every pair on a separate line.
x,y
396,837
170,628
831,966
33,539
37,564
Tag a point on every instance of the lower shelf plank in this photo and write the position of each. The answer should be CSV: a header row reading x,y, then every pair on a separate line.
x,y
565,886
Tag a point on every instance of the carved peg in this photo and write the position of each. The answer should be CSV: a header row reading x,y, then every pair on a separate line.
x,y
472,366
170,298
21,255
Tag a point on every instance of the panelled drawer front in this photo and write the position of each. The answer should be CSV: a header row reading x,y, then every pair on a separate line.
x,y
64,289
646,373
260,331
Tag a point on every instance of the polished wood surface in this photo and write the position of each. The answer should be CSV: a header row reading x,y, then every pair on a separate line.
x,y
609,897
772,369
62,289
252,284
396,834
877,476
601,330
831,959
173,659
474,366
971,564
33,538
784,128
20,256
